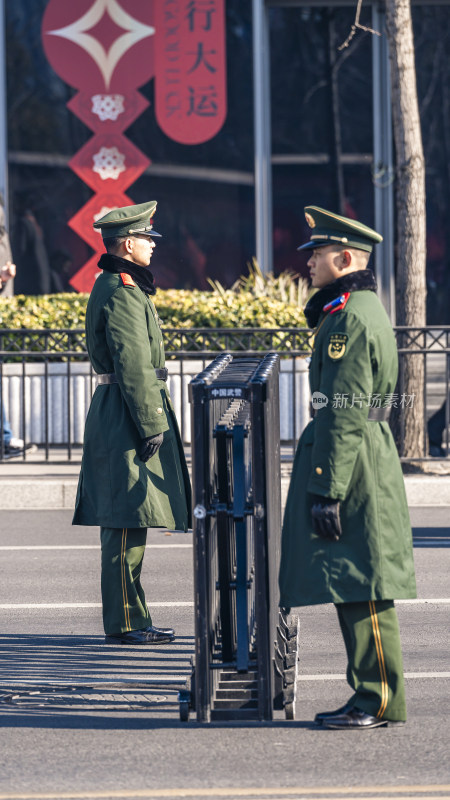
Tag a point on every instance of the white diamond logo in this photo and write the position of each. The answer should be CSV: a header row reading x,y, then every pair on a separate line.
x,y
134,32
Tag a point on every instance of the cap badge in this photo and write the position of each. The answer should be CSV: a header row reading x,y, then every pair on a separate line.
x,y
310,220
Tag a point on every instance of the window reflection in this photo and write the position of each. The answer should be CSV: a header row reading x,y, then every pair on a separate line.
x,y
321,123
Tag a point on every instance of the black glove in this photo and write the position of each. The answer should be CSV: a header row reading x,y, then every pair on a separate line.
x,y
150,446
326,518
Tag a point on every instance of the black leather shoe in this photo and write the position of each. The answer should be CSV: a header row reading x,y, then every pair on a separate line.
x,y
165,631
353,718
319,718
148,636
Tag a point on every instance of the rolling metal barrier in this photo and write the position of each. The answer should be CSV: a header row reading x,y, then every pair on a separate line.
x,y
245,647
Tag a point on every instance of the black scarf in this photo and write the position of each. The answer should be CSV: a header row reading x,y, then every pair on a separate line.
x,y
360,280
141,275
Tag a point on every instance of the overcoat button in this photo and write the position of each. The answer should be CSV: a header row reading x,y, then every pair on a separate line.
x,y
159,410
319,470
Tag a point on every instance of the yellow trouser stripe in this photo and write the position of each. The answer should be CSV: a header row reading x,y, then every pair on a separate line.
x,y
380,656
124,583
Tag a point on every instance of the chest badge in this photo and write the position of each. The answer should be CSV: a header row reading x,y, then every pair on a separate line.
x,y
337,344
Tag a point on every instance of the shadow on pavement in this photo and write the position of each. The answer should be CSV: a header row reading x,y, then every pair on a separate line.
x,y
148,721
27,658
115,687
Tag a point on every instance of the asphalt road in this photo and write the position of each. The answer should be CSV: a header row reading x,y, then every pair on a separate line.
x,y
131,744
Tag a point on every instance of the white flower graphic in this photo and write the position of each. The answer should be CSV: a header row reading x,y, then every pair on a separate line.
x,y
107,106
109,162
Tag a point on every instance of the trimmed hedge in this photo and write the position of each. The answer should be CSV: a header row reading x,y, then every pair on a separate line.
x,y
220,308
45,311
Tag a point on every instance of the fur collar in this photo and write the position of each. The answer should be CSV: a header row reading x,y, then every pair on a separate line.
x,y
360,280
141,275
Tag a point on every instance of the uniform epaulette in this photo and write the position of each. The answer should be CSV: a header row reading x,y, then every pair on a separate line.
x,y
127,280
337,304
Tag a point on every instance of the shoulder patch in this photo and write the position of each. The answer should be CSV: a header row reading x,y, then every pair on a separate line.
x,y
337,344
337,304
127,280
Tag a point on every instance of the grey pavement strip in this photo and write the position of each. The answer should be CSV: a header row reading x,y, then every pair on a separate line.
x,y
87,547
408,676
38,606
439,541
25,491
254,794
232,792
435,542
420,601
185,604
161,683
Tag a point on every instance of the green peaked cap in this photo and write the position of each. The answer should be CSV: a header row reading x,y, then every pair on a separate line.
x,y
128,220
329,228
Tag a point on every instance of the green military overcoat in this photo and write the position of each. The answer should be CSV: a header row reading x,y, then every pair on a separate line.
x,y
343,455
116,489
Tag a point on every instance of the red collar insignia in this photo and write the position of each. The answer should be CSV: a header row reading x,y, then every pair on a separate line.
x,y
338,304
127,280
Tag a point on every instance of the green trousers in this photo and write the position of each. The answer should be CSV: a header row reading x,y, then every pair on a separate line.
x,y
375,665
123,598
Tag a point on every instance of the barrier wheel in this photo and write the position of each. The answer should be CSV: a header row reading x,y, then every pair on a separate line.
x,y
289,711
184,711
290,664
289,695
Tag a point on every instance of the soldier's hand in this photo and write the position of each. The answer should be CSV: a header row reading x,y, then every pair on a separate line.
x,y
7,272
150,446
326,518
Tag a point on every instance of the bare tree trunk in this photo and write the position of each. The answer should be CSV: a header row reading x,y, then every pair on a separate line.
x,y
410,198
335,127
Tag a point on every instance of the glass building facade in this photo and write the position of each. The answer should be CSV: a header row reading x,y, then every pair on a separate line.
x,y
302,127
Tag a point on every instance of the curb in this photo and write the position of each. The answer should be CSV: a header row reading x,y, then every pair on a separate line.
x,y
428,490
30,494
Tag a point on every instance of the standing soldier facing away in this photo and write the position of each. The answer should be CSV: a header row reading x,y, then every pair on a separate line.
x,y
133,473
346,534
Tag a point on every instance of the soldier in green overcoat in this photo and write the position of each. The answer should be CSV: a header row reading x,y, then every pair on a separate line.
x,y
346,533
133,473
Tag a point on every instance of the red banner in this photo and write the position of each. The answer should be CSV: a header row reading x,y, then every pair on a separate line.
x,y
103,48
190,69
108,48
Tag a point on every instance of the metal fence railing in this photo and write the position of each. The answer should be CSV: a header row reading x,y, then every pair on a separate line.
x,y
424,359
46,380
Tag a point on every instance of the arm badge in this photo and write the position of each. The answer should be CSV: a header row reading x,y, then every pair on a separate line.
x,y
336,345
